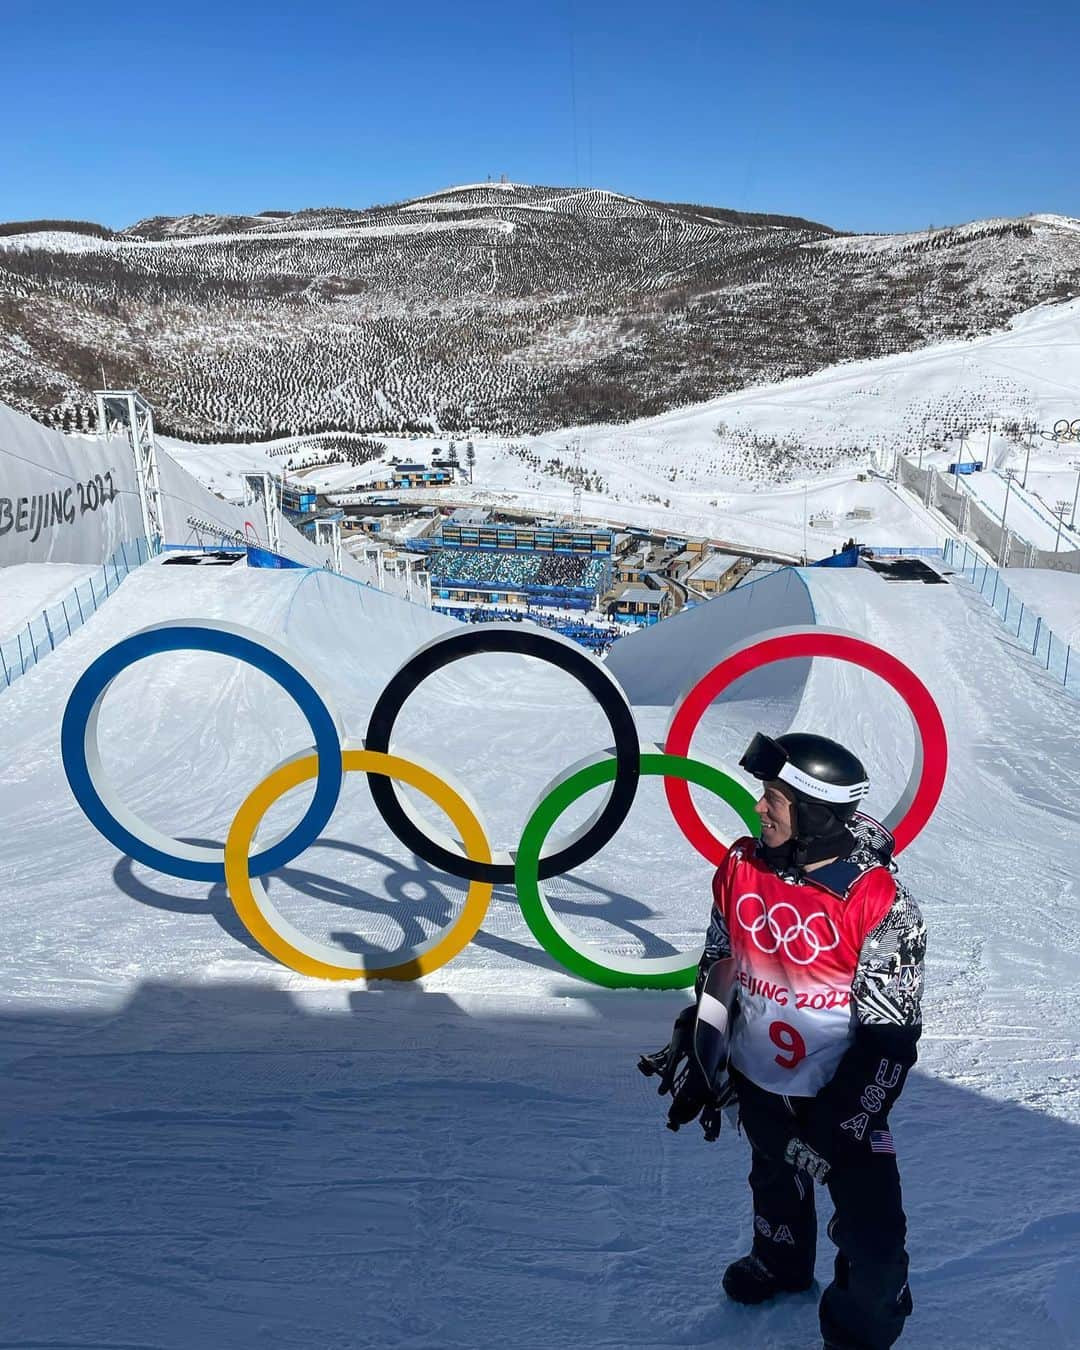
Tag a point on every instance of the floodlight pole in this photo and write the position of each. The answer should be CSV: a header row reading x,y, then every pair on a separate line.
x,y
1059,510
1010,474
1076,494
576,472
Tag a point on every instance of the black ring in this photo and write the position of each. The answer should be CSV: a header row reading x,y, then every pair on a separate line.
x,y
523,642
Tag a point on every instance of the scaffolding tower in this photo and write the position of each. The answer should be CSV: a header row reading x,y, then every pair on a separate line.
x,y
328,535
126,411
264,489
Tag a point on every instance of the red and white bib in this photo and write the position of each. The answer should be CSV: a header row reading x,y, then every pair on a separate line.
x,y
796,948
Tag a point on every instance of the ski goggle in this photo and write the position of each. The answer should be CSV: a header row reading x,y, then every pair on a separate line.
x,y
768,760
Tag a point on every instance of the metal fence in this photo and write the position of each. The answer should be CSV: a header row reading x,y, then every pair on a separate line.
x,y
55,623
1029,628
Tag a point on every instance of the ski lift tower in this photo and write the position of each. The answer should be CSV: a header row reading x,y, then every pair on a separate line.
x,y
328,535
125,410
263,489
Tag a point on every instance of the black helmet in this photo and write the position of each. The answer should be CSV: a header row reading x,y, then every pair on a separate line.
x,y
825,779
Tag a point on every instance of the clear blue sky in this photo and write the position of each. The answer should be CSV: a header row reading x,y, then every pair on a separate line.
x,y
870,115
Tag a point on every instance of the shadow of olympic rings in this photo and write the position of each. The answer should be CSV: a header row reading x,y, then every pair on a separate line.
x,y
415,914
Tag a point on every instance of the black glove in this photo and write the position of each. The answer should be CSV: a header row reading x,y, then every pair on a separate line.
x,y
693,1096
668,1061
852,1110
712,1115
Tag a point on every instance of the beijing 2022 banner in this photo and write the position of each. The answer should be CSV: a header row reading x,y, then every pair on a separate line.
x,y
66,499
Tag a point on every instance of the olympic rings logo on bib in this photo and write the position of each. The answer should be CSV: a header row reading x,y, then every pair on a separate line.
x,y
242,863
769,936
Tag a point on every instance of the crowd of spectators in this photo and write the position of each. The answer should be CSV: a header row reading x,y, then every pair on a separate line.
x,y
476,567
560,569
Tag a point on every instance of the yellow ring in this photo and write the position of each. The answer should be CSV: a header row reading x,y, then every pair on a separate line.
x,y
287,944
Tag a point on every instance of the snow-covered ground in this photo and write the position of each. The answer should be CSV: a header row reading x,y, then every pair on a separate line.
x,y
771,466
1055,596
811,513
62,241
28,588
202,1148
1026,513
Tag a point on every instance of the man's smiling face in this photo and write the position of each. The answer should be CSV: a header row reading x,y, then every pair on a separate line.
x,y
777,813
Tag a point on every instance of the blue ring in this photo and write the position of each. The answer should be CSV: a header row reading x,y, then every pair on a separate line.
x,y
96,679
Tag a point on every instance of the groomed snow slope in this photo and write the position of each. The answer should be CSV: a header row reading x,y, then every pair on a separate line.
x,y
204,1149
27,588
657,665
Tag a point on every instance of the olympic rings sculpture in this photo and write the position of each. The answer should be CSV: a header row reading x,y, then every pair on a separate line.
x,y
1064,430
242,864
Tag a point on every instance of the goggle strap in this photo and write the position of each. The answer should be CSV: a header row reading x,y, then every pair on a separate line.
x,y
825,792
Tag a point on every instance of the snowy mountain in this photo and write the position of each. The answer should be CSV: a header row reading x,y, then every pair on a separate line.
x,y
495,306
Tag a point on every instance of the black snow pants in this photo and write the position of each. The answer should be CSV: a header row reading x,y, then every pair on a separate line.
x,y
865,1306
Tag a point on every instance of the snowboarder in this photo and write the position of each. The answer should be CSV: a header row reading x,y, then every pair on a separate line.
x,y
826,951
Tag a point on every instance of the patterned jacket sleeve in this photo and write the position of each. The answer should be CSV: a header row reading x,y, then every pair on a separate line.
x,y
717,937
850,1114
887,988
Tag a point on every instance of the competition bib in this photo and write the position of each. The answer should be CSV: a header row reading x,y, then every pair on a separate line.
x,y
795,949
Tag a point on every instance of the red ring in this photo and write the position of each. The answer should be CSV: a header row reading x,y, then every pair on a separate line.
x,y
786,644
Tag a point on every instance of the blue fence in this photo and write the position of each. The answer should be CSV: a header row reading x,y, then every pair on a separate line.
x,y
848,557
1024,623
58,621
262,557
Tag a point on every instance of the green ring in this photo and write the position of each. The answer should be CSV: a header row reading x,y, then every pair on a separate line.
x,y
649,972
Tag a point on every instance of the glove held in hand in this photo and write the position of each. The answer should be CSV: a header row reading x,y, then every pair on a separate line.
x,y
802,1156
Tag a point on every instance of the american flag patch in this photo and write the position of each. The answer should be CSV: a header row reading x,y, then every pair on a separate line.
x,y
881,1141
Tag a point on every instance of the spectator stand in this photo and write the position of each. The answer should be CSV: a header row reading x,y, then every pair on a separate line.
x,y
559,580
